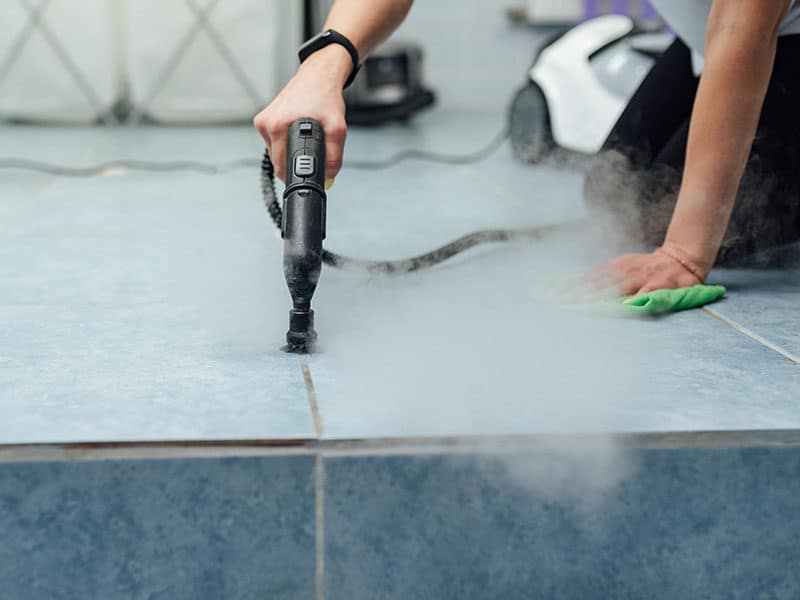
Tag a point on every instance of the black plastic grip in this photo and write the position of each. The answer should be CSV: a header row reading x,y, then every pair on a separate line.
x,y
303,227
305,150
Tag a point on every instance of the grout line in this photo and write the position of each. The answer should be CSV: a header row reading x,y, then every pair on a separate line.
x,y
319,485
312,397
677,440
432,444
319,527
76,452
753,335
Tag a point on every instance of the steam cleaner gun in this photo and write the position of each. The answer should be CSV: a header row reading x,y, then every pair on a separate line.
x,y
303,228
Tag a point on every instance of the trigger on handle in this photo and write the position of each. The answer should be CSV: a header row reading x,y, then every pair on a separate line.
x,y
306,128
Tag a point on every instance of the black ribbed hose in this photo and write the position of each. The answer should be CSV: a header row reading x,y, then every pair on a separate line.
x,y
414,263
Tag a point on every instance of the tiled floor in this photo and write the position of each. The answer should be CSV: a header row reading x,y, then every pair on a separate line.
x,y
706,523
767,303
225,528
138,307
150,306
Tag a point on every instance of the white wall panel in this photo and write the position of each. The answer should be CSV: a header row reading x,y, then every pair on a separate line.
x,y
180,71
60,66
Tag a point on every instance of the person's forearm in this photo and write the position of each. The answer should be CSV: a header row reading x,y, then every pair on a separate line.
x,y
365,23
739,55
316,90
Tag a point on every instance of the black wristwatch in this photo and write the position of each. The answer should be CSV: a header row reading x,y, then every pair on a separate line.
x,y
326,38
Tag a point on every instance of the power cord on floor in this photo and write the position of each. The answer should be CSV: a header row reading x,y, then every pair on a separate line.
x,y
435,157
421,261
386,267
117,166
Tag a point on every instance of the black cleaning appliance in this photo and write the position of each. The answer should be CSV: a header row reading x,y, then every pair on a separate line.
x,y
303,228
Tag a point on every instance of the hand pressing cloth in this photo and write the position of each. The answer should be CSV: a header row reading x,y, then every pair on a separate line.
x,y
663,301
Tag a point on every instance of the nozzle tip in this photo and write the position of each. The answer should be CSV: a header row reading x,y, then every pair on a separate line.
x,y
299,348
301,337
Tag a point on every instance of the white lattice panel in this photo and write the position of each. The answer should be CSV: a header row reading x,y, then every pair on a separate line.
x,y
208,60
58,60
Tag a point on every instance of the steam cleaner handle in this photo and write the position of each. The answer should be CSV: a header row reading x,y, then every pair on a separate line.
x,y
305,156
304,208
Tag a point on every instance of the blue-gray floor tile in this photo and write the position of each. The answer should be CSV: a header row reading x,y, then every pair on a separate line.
x,y
482,346
469,349
164,293
144,307
655,524
767,302
416,206
441,130
166,529
82,146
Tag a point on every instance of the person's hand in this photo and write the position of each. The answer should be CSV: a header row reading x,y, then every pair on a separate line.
x,y
315,92
642,273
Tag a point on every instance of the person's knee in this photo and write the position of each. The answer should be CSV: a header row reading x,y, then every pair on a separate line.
x,y
766,215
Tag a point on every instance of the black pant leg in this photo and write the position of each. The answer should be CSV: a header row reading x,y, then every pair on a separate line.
x,y
662,103
624,189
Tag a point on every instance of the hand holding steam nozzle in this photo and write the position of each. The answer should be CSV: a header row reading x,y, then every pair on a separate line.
x,y
316,92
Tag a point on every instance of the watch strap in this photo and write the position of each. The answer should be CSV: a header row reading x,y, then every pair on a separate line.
x,y
326,38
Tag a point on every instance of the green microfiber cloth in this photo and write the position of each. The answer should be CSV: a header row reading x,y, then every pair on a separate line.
x,y
662,301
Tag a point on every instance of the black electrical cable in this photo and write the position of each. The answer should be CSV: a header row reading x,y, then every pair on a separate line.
x,y
109,167
435,157
414,263
386,267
